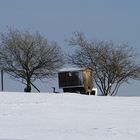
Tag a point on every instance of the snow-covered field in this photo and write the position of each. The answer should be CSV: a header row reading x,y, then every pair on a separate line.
x,y
68,117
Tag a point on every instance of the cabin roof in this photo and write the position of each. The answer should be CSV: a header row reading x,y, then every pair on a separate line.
x,y
71,69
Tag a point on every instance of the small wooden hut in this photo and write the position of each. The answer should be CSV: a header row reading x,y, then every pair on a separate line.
x,y
79,80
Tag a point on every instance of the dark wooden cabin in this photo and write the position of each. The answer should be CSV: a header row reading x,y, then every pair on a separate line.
x,y
79,80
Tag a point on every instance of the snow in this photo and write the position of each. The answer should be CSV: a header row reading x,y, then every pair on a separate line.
x,y
68,116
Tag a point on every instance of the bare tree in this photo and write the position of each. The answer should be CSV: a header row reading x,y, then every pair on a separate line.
x,y
29,56
112,65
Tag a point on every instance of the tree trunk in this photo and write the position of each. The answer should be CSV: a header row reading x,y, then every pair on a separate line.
x,y
28,86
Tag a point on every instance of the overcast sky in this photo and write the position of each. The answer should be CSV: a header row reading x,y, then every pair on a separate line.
x,y
116,20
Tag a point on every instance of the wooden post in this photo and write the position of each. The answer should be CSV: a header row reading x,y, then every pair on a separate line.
x,y
1,80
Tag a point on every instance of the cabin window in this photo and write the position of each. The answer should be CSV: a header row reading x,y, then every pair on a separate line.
x,y
70,74
70,79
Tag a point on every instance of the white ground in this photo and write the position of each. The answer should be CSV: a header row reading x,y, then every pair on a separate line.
x,y
68,117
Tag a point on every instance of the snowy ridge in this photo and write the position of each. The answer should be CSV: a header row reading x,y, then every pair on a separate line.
x,y
40,116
